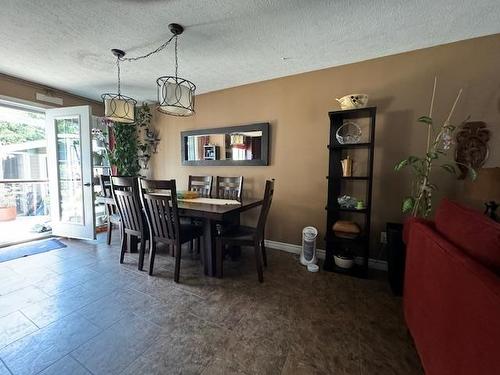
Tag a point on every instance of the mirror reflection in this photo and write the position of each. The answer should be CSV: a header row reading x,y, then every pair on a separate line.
x,y
234,145
230,146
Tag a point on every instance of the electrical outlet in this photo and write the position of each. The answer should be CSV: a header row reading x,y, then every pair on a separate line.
x,y
383,237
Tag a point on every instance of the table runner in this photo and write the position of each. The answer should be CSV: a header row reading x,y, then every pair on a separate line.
x,y
216,201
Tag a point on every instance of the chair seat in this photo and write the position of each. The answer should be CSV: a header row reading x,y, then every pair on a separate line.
x,y
239,233
189,232
115,218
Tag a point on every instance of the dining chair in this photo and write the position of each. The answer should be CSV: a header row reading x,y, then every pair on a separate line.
x,y
248,236
159,199
126,195
229,187
113,217
201,184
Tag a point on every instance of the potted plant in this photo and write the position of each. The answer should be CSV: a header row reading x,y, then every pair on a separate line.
x,y
439,143
7,203
419,202
131,145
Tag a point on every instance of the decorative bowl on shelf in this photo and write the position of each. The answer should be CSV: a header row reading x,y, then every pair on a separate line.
x,y
346,201
345,262
353,101
349,132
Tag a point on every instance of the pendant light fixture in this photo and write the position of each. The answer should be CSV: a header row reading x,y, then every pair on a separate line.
x,y
118,107
175,94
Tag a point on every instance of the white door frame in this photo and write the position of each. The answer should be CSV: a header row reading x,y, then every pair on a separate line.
x,y
85,229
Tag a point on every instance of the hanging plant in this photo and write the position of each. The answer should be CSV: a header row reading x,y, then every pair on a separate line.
x,y
439,143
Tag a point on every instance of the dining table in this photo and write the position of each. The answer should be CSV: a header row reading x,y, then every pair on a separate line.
x,y
211,212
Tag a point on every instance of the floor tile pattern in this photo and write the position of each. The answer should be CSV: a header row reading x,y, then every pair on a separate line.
x,y
78,311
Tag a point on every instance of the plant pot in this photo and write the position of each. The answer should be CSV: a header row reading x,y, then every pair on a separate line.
x,y
7,213
396,257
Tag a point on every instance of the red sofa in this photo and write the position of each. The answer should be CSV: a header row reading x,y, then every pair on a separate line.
x,y
452,291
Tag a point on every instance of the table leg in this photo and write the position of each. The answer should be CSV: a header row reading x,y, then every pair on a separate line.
x,y
209,234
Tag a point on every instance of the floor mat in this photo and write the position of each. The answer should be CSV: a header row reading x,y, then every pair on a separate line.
x,y
30,248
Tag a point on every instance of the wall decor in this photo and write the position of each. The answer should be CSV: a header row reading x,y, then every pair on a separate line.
x,y
233,145
472,147
353,101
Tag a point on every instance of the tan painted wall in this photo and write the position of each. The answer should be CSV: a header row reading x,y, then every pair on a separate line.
x,y
297,106
20,89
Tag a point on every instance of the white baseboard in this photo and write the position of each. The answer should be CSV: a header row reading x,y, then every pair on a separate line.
x,y
376,264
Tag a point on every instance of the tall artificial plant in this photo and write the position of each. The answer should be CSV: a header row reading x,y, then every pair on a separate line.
x,y
439,143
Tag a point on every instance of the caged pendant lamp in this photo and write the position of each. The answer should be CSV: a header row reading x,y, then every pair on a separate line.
x,y
175,94
118,107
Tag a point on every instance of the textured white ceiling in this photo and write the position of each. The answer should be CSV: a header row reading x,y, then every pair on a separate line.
x,y
66,43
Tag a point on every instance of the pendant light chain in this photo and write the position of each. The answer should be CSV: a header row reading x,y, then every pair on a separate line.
x,y
119,82
176,63
160,48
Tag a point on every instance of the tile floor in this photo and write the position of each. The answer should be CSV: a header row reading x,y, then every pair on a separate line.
x,y
78,311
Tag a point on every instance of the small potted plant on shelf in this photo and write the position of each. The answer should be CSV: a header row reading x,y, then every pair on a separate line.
x,y
7,203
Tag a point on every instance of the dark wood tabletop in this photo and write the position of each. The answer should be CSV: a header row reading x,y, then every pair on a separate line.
x,y
216,211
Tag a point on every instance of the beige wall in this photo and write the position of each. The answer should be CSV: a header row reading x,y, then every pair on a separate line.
x,y
297,108
15,88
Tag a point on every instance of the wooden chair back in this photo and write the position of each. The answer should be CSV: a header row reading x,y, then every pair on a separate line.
x,y
105,182
161,209
126,195
266,206
201,184
229,187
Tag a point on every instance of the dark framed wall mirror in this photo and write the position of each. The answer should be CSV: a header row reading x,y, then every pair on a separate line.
x,y
233,145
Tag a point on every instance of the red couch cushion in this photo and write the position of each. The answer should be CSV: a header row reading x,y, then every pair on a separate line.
x,y
470,230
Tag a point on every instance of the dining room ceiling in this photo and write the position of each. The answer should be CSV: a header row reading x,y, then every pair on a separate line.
x,y
66,44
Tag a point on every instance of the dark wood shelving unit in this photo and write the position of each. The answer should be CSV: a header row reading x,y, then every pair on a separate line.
x,y
360,244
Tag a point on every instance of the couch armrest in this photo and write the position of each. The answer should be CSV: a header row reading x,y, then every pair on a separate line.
x,y
452,304
412,220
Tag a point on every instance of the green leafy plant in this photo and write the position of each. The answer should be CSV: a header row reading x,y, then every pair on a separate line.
x,y
439,143
131,143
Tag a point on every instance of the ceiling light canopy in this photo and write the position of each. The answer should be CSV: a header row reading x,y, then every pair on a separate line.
x,y
175,94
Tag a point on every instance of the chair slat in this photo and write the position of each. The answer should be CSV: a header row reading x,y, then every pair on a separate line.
x,y
229,187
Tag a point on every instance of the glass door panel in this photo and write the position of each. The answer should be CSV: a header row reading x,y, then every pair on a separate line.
x,y
70,172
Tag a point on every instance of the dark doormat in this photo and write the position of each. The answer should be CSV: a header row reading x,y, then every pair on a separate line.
x,y
30,248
